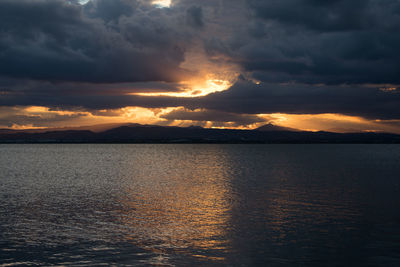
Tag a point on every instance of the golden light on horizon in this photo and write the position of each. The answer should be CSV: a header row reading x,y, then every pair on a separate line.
x,y
328,122
42,111
39,118
64,119
26,127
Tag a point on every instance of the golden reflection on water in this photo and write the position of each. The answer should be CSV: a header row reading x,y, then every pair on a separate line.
x,y
167,208
187,205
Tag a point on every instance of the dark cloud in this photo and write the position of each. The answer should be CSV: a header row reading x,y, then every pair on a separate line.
x,y
309,41
104,41
323,16
32,88
243,97
18,117
85,100
213,116
247,97
194,17
110,10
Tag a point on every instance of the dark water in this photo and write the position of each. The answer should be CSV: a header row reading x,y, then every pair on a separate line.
x,y
185,205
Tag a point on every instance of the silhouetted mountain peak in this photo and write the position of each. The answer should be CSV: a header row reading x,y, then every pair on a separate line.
x,y
195,127
274,128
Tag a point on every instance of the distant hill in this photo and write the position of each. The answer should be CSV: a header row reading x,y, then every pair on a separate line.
x,y
272,128
136,133
94,128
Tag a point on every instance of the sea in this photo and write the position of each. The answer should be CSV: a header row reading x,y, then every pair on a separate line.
x,y
199,205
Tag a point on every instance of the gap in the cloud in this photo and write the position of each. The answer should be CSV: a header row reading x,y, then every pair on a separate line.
x,y
162,3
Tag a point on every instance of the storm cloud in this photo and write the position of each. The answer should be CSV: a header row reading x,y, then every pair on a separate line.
x,y
103,41
329,42
247,97
213,116
289,56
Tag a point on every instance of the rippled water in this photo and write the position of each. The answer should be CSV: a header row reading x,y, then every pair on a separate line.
x,y
182,205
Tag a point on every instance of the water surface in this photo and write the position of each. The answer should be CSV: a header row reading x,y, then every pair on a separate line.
x,y
182,205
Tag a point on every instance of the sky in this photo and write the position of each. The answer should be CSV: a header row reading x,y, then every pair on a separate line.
x,y
331,65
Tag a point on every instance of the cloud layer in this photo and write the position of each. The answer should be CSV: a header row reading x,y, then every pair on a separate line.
x,y
101,42
290,56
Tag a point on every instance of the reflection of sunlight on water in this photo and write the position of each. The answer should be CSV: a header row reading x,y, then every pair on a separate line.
x,y
167,208
191,205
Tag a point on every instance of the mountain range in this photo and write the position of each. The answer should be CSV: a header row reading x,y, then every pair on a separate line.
x,y
136,133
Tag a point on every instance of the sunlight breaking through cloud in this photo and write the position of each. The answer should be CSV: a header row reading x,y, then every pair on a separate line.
x,y
195,89
162,3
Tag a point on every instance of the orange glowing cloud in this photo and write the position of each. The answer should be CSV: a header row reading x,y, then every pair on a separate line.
x,y
332,123
194,88
38,117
